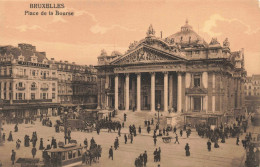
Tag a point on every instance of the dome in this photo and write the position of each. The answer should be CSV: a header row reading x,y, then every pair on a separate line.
x,y
187,36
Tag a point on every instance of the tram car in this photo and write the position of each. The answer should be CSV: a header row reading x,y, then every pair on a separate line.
x,y
65,156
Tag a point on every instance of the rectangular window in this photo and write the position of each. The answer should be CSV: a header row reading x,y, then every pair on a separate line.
x,y
196,81
32,96
53,95
44,96
20,96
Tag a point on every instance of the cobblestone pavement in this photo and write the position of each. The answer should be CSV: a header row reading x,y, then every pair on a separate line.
x,y
173,155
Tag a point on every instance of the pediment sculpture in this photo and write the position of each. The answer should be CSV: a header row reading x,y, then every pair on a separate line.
x,y
141,56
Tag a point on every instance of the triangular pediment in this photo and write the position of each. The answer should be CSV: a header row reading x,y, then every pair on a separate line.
x,y
145,54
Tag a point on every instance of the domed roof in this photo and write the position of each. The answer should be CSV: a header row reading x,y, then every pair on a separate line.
x,y
187,36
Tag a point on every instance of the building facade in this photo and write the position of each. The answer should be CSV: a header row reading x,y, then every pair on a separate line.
x,y
181,72
252,92
30,84
77,84
27,84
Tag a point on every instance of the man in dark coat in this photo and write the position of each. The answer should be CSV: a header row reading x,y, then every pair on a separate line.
x,y
154,139
181,132
187,149
41,144
145,158
155,153
124,117
10,138
13,156
34,152
125,139
209,145
111,153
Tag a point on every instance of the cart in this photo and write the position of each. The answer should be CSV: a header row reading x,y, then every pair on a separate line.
x,y
167,139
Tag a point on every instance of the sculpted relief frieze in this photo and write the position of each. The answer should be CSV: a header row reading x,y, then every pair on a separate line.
x,y
142,56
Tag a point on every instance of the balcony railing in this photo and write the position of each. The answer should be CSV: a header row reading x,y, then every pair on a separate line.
x,y
44,89
33,88
20,88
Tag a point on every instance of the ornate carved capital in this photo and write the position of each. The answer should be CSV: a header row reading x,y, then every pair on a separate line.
x,y
138,73
165,72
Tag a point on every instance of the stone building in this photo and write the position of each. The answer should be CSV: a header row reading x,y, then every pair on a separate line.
x,y
252,92
30,84
201,81
76,84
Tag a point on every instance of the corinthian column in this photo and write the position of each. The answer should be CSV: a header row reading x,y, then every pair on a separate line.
x,y
116,92
179,93
170,91
152,91
166,91
138,92
127,92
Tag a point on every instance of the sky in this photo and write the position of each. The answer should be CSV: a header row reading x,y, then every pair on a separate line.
x,y
114,24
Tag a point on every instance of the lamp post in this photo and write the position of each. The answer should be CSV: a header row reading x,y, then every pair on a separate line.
x,y
158,108
65,126
1,142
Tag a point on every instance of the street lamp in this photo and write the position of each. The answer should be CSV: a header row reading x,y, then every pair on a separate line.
x,y
1,142
158,108
65,126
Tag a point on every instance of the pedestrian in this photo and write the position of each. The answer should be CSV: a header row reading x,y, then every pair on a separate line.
x,y
159,154
123,124
152,121
155,155
187,149
124,117
111,153
145,158
125,139
16,128
3,137
139,130
34,152
154,139
41,144
237,140
13,156
209,145
132,138
10,138
174,129
181,132
119,132
216,144
148,129
176,139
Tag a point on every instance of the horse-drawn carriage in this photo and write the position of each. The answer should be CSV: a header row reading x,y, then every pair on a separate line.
x,y
167,139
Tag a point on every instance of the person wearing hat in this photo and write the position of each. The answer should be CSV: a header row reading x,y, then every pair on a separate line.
x,y
111,152
13,156
145,158
187,149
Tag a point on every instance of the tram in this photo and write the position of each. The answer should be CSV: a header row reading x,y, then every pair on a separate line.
x,y
66,156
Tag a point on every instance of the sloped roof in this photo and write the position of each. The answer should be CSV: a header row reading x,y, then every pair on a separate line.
x,y
27,53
